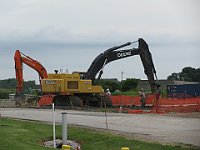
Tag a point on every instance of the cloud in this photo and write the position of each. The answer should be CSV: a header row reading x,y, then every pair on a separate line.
x,y
63,31
99,20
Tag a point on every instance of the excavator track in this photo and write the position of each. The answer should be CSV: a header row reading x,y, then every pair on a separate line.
x,y
69,101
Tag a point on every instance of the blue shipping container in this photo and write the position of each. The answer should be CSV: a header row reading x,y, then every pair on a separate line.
x,y
183,90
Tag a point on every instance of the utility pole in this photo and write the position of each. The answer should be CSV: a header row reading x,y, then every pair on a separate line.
x,y
122,74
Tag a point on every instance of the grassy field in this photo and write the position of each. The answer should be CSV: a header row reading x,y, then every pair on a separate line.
x,y
26,135
4,93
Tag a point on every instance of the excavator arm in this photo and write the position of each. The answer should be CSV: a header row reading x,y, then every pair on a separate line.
x,y
148,65
108,56
20,58
113,54
18,72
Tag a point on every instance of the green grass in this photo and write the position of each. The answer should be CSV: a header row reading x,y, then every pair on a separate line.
x,y
26,135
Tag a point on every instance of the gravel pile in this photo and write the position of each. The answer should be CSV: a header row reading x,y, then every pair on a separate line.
x,y
73,144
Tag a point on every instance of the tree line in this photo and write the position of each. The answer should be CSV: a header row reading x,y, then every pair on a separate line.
x,y
125,85
12,83
113,85
187,74
8,86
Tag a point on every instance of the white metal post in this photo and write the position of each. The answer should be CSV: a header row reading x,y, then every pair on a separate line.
x,y
54,126
64,128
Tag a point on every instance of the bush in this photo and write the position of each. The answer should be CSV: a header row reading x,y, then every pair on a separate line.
x,y
129,84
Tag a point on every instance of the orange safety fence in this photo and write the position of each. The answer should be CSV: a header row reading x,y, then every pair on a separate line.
x,y
177,105
125,100
160,105
46,100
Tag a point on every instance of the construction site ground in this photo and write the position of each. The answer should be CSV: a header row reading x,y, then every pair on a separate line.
x,y
171,128
184,115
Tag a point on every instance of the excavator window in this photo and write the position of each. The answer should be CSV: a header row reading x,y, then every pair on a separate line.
x,y
72,84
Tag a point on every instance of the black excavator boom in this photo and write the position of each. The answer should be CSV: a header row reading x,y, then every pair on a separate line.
x,y
114,53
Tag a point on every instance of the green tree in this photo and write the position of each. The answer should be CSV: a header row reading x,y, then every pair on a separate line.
x,y
125,85
187,74
8,83
174,76
109,84
29,85
129,84
197,75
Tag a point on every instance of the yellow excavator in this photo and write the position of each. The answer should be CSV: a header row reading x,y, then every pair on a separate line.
x,y
60,88
69,90
66,88
78,88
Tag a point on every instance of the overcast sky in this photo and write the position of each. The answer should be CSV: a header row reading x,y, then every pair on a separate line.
x,y
64,34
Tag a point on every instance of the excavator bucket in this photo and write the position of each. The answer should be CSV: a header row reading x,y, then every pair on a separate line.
x,y
46,100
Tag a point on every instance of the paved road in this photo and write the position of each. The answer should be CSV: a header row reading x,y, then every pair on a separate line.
x,y
151,127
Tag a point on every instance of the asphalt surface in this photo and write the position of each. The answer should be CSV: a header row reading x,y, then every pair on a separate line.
x,y
149,127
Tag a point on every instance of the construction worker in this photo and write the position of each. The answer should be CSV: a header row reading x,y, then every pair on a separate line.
x,y
108,93
142,97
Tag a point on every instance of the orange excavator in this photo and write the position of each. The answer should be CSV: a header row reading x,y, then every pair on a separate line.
x,y
21,58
